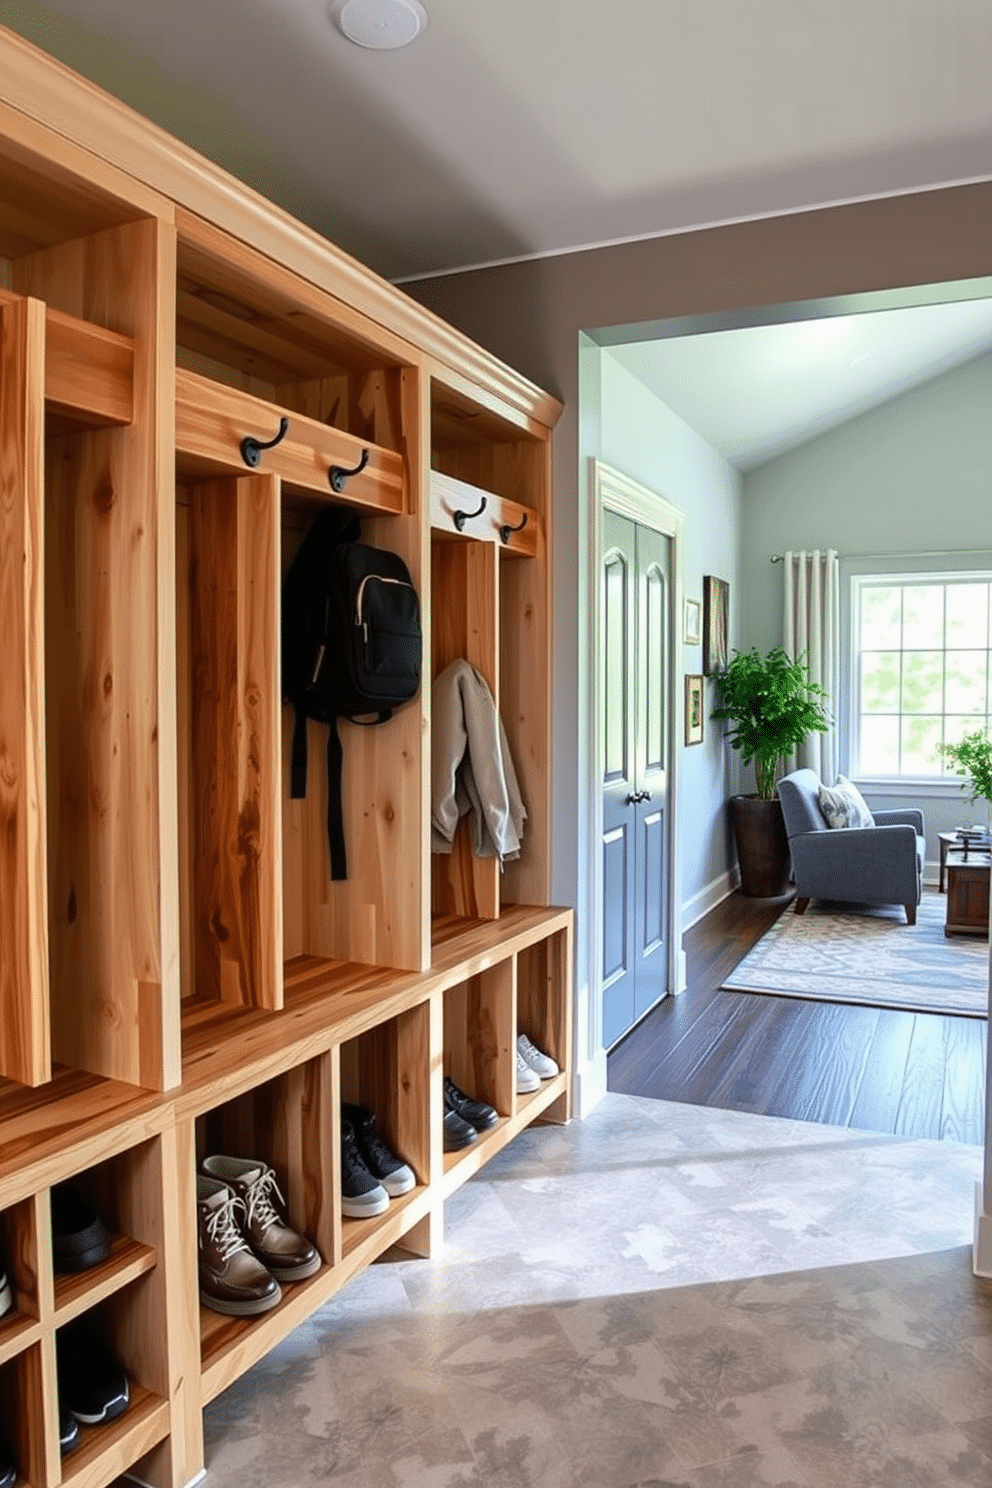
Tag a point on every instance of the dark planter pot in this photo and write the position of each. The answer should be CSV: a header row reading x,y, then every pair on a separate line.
x,y
762,846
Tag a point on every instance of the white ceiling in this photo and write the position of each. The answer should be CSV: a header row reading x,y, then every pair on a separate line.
x,y
515,127
755,392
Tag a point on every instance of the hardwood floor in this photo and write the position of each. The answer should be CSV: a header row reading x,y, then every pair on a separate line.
x,y
912,1074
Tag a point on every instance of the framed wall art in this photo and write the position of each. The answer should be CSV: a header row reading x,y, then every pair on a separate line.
x,y
693,621
716,624
693,708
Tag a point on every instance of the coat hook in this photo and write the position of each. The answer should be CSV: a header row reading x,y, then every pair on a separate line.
x,y
461,517
506,529
337,475
251,449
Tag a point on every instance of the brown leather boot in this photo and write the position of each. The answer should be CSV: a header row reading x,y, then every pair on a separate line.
x,y
232,1280
287,1255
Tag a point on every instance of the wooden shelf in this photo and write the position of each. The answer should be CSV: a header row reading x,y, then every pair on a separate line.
x,y
529,1108
77,1293
104,1452
89,371
229,1346
212,420
363,1240
17,1333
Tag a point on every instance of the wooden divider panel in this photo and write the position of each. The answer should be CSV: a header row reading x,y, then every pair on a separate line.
x,y
478,1035
110,624
24,1022
235,766
465,584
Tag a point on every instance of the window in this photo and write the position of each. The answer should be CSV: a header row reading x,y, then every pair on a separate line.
x,y
921,674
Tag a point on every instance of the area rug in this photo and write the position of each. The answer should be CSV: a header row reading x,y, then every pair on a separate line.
x,y
867,955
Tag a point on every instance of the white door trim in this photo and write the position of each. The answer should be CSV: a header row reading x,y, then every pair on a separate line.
x,y
628,498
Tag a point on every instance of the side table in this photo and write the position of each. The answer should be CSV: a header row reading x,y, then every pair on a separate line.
x,y
951,842
967,894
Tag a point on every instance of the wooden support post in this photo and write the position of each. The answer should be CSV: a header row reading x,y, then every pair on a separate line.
x,y
24,969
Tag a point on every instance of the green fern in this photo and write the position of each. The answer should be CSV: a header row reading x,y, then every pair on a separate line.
x,y
771,703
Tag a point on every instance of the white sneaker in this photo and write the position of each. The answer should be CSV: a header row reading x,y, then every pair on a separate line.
x,y
542,1064
527,1079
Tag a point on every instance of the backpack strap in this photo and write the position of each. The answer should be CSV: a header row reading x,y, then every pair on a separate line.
x,y
335,819
298,766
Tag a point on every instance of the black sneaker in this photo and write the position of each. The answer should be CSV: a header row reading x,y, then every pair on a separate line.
x,y
476,1112
92,1385
6,1298
457,1133
79,1237
392,1172
8,1467
68,1431
362,1196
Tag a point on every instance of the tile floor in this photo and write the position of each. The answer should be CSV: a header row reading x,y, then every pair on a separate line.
x,y
660,1295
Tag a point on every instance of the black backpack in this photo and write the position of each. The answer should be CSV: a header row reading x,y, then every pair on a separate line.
x,y
351,646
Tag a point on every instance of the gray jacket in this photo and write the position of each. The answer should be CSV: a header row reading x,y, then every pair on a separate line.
x,y
472,773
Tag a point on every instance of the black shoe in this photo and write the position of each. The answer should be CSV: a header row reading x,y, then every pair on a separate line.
x,y
79,1236
68,1431
392,1172
92,1385
476,1112
8,1467
6,1302
362,1196
457,1133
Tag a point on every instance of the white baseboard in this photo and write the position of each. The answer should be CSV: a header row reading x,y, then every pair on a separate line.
x,y
589,1085
709,897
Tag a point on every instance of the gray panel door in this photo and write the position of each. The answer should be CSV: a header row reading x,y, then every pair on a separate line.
x,y
635,659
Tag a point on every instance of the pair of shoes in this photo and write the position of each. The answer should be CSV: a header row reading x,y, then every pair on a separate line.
x,y
464,1118
371,1174
533,1066
245,1246
92,1385
80,1238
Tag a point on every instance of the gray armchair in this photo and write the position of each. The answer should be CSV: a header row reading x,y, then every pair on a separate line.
x,y
857,865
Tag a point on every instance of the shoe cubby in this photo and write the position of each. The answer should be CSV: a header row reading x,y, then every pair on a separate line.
x,y
179,975
123,1192
285,1123
387,1070
106,1450
479,1052
543,1013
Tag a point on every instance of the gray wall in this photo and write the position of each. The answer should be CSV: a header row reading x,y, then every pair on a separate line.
x,y
912,477
643,437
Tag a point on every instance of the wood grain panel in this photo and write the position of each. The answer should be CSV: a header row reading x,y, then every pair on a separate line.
x,y
25,1053
110,534
449,496
211,422
378,915
88,371
234,746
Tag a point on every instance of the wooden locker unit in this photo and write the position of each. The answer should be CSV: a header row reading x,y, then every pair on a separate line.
x,y
178,975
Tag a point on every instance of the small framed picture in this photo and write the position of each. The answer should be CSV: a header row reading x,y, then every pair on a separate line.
x,y
693,621
716,624
693,708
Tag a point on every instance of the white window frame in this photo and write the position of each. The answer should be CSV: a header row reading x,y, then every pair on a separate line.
x,y
896,785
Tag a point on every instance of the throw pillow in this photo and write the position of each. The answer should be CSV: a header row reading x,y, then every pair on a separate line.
x,y
843,805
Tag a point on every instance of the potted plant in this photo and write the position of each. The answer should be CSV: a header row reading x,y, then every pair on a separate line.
x,y
770,703
972,757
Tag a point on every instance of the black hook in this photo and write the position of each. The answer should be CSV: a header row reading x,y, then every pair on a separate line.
x,y
251,449
337,475
506,529
461,517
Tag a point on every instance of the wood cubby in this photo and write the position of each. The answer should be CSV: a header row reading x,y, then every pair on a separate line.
x,y
178,974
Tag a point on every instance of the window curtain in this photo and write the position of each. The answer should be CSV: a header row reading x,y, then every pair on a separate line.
x,y
812,629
